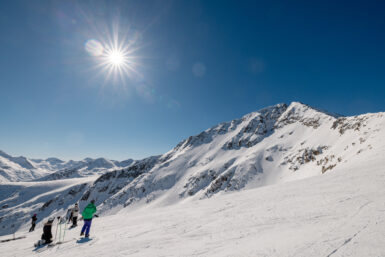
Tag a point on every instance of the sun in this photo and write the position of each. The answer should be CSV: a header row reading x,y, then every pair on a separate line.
x,y
116,57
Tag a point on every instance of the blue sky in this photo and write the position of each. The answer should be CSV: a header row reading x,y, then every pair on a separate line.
x,y
197,63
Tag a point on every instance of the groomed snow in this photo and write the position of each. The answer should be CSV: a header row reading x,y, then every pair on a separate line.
x,y
340,213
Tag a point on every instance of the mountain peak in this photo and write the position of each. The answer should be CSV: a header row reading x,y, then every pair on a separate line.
x,y
54,160
272,108
304,114
301,107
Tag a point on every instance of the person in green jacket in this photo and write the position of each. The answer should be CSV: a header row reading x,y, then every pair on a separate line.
x,y
88,214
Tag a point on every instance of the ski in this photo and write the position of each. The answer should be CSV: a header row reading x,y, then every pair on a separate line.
x,y
61,242
11,239
41,244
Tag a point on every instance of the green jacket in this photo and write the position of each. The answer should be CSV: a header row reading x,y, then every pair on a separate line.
x,y
88,212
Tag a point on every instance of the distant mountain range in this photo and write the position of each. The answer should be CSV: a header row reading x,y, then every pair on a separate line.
x,y
17,169
274,145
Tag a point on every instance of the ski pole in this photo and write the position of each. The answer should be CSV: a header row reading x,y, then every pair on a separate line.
x,y
56,227
65,228
59,230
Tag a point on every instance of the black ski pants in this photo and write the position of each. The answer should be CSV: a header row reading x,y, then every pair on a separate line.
x,y
74,221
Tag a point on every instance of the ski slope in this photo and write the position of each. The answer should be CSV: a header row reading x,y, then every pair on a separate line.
x,y
340,213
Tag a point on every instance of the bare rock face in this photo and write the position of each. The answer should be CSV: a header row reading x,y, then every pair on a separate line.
x,y
351,123
255,127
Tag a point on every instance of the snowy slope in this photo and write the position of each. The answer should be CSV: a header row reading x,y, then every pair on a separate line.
x,y
19,200
340,213
272,146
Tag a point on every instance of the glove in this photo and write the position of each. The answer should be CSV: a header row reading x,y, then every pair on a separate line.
x,y
97,216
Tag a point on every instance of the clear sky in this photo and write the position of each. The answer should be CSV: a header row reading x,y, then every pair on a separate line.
x,y
191,64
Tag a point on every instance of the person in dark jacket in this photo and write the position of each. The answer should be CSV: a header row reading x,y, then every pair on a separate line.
x,y
88,214
47,231
69,215
33,224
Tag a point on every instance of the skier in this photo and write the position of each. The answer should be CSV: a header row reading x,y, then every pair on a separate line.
x,y
69,215
47,231
88,214
34,219
75,213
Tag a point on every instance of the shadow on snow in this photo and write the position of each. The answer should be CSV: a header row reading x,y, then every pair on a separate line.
x,y
83,240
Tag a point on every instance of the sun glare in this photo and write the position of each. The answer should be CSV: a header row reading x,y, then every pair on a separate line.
x,y
116,58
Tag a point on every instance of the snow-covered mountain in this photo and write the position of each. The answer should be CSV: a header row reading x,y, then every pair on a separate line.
x,y
18,169
274,145
86,167
22,169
